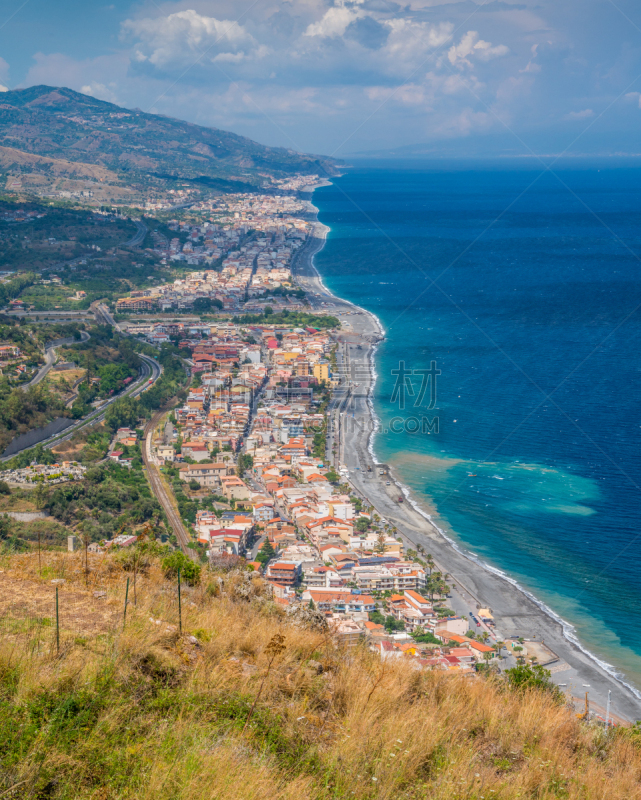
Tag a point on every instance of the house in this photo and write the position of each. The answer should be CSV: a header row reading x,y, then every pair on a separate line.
x,y
127,304
263,512
125,433
374,629
458,625
206,474
195,450
234,488
166,452
284,573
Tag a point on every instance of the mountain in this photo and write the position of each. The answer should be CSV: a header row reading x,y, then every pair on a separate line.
x,y
59,123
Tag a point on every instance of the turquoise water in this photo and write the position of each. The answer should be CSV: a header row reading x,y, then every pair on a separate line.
x,y
525,291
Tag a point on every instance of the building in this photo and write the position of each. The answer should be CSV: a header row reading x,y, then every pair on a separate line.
x,y
284,573
205,474
128,304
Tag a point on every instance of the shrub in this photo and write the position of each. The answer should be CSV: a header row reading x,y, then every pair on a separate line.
x,y
189,570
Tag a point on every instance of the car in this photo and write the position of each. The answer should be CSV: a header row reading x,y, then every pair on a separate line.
x,y
387,483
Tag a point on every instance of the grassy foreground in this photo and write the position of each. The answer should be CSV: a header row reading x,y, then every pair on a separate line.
x,y
250,704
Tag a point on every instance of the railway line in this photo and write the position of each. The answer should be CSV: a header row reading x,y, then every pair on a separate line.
x,y
159,490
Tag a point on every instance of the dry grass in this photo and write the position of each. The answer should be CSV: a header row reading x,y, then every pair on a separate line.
x,y
147,713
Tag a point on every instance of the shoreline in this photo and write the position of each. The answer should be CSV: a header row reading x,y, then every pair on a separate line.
x,y
515,608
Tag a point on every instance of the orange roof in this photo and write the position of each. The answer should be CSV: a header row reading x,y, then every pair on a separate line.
x,y
482,648
415,595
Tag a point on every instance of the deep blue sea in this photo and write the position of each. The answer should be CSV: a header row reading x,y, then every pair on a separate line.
x,y
524,286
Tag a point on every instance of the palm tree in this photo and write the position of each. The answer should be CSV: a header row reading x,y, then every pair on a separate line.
x,y
430,562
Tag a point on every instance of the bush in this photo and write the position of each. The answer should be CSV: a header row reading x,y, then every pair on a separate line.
x,y
189,570
533,677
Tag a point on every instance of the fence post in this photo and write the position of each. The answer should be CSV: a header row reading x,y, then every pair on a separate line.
x,y
124,614
57,624
180,611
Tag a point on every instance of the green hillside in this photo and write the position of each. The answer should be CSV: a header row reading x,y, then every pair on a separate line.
x,y
62,124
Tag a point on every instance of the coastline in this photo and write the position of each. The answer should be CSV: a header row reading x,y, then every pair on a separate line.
x,y
516,610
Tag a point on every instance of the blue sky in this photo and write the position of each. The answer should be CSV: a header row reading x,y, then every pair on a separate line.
x,y
343,77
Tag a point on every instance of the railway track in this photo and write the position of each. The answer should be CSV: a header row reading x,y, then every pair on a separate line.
x,y
161,492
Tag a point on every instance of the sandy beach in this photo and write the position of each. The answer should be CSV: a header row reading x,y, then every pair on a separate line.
x,y
476,585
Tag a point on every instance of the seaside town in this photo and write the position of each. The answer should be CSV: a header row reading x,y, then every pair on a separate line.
x,y
252,239
292,514
250,443
251,457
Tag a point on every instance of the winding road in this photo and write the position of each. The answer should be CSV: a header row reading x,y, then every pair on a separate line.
x,y
50,357
139,237
150,371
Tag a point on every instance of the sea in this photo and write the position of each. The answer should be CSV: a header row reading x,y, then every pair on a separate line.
x,y
509,381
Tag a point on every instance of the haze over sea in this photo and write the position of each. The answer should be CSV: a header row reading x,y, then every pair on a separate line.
x,y
525,288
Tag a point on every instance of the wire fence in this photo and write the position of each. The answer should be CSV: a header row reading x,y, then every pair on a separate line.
x,y
49,616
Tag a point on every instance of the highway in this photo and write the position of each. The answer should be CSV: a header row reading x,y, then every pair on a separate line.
x,y
139,237
158,488
103,315
150,370
50,357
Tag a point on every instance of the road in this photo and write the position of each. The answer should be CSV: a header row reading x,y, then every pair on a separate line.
x,y
158,488
150,370
103,315
50,357
139,237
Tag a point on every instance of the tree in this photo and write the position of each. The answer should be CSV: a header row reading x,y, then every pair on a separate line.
x,y
535,676
425,637
4,488
332,476
362,524
392,624
379,547
189,570
204,304
266,553
194,485
124,413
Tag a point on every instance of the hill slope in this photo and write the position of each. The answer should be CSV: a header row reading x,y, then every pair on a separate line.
x,y
249,703
62,124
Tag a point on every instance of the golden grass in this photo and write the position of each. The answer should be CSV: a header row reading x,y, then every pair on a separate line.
x,y
158,715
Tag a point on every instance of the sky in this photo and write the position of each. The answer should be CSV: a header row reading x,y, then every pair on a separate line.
x,y
342,77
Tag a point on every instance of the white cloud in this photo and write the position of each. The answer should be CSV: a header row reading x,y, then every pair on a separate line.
x,y
471,45
3,88
585,114
635,97
100,91
175,38
409,39
335,22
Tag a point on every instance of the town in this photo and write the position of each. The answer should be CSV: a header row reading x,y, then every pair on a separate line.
x,y
249,446
252,239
